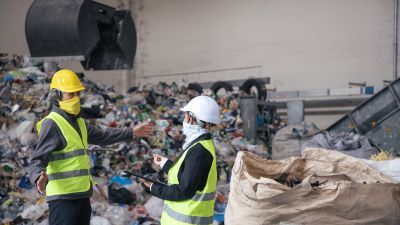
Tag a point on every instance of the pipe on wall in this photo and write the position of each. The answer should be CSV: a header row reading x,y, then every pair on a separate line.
x,y
395,19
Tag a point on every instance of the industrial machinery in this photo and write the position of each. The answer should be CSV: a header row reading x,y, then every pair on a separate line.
x,y
378,118
97,35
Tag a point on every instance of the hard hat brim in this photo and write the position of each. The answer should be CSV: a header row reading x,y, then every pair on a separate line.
x,y
70,90
184,109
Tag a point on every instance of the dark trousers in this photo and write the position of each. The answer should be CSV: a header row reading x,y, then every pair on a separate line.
x,y
70,212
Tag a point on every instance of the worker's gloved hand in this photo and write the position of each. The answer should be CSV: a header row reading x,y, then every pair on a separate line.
x,y
143,130
41,183
159,160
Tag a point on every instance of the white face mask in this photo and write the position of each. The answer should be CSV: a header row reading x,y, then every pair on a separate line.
x,y
192,132
191,129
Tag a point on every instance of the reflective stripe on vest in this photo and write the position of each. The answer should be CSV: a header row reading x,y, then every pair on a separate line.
x,y
67,155
200,208
68,169
63,175
188,219
204,196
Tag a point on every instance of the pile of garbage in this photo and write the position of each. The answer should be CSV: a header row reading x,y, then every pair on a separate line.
x,y
117,199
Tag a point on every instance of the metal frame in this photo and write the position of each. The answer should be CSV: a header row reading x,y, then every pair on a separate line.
x,y
378,118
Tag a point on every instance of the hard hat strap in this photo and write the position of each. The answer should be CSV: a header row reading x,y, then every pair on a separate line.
x,y
55,95
58,94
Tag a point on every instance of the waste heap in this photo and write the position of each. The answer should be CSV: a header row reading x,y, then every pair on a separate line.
x,y
117,199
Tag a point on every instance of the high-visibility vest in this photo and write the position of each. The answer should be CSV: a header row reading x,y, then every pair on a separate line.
x,y
200,208
68,170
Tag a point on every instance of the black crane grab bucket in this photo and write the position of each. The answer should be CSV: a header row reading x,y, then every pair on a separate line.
x,y
117,46
99,36
61,30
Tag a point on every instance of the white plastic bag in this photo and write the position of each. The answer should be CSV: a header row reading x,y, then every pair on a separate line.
x,y
98,220
390,168
154,206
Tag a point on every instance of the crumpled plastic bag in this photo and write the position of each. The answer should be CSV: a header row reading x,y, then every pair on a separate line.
x,y
98,220
28,139
34,212
118,215
134,99
31,195
154,207
138,190
390,168
33,70
22,128
93,99
223,149
349,143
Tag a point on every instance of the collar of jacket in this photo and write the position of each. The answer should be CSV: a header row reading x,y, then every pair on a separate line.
x,y
203,137
69,117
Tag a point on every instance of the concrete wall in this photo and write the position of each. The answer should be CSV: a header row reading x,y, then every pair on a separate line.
x,y
307,44
300,44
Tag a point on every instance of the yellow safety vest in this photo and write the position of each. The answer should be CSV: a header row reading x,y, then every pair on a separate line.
x,y
68,170
200,208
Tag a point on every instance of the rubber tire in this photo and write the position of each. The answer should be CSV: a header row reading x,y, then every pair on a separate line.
x,y
259,84
221,84
132,90
196,87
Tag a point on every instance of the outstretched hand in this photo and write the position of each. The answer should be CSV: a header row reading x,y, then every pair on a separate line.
x,y
143,130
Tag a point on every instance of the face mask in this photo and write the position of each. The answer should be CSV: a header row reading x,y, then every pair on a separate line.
x,y
190,129
71,106
191,132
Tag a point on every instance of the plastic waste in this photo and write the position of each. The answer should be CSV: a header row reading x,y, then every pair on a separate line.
x,y
28,139
118,215
25,183
23,127
120,195
390,168
15,108
154,207
162,124
34,212
23,102
121,180
98,220
93,99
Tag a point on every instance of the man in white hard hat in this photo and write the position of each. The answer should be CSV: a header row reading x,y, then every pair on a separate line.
x,y
192,177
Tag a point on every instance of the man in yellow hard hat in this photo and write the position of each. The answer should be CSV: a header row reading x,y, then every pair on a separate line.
x,y
60,164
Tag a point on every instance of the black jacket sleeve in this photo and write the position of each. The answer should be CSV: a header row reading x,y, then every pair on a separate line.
x,y
106,136
192,176
168,164
50,139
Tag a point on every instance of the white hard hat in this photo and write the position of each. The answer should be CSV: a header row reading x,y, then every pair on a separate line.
x,y
204,108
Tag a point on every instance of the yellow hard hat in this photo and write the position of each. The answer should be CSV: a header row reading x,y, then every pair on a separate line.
x,y
66,81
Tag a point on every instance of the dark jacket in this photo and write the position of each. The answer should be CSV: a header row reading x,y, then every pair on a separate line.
x,y
192,174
